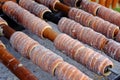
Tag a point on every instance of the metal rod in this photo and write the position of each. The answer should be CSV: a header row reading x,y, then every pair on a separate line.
x,y
117,77
113,71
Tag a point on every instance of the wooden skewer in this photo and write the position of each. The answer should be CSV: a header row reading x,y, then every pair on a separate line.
x,y
72,3
66,9
53,61
14,65
58,5
7,31
107,69
45,33
48,33
53,36
46,16
49,15
62,7
93,0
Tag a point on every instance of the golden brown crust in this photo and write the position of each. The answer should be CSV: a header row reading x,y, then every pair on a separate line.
x,y
117,38
45,59
109,15
49,3
96,23
67,44
23,43
82,33
80,53
112,48
90,7
28,20
33,7
63,72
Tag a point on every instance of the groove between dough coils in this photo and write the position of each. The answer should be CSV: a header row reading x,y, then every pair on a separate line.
x,y
28,20
96,23
103,12
44,58
82,33
90,7
78,16
23,43
113,49
29,48
117,38
33,7
65,69
15,66
49,3
104,27
80,53
109,15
